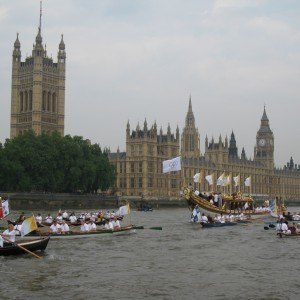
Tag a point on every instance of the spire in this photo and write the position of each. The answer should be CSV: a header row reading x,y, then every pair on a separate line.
x,y
190,119
243,155
264,116
40,25
17,43
128,129
169,129
232,137
17,51
264,124
145,125
190,105
38,38
220,139
62,46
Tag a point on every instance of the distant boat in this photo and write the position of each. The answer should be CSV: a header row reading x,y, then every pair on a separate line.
x,y
217,224
233,205
288,235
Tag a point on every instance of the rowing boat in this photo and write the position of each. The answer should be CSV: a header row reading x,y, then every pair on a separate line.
x,y
217,224
39,244
288,235
78,234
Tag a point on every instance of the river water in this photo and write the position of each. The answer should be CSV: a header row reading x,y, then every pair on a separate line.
x,y
183,261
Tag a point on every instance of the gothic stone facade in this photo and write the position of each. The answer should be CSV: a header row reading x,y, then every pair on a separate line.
x,y
139,169
38,90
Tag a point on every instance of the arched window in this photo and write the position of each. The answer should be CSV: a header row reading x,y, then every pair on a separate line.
x,y
54,102
30,100
26,101
49,102
44,101
21,101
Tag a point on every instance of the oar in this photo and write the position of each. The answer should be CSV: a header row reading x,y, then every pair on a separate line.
x,y
21,247
152,228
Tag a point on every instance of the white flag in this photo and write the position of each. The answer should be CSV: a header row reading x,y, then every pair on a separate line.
x,y
1,241
227,180
220,180
209,179
236,180
5,208
198,177
123,210
172,165
248,181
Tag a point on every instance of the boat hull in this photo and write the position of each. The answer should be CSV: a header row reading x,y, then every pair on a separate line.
x,y
285,235
193,200
213,225
77,234
31,245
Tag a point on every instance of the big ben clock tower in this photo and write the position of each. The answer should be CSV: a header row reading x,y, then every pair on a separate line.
x,y
264,149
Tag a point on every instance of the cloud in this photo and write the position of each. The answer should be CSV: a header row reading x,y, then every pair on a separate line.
x,y
270,26
224,4
3,13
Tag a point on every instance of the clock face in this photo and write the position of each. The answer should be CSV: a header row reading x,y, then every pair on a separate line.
x,y
262,142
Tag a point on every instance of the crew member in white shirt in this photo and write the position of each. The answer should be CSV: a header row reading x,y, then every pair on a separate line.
x,y
64,227
55,227
73,219
204,218
59,218
65,215
48,219
38,218
18,228
282,227
116,223
10,233
84,227
108,225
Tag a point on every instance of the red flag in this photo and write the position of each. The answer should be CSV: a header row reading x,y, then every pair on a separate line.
x,y
1,211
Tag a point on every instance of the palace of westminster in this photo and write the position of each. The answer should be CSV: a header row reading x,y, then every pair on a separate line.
x,y
38,104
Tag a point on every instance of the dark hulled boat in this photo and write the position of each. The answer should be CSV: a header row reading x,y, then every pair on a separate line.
x,y
31,245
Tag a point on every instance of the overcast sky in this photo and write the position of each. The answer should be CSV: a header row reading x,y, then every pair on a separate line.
x,y
134,59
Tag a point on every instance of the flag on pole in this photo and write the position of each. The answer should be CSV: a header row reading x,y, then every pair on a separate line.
x,y
210,179
236,180
227,180
198,177
173,164
28,225
5,208
220,180
124,210
248,181
1,212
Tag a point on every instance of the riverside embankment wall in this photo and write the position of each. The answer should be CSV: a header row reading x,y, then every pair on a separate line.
x,y
41,201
